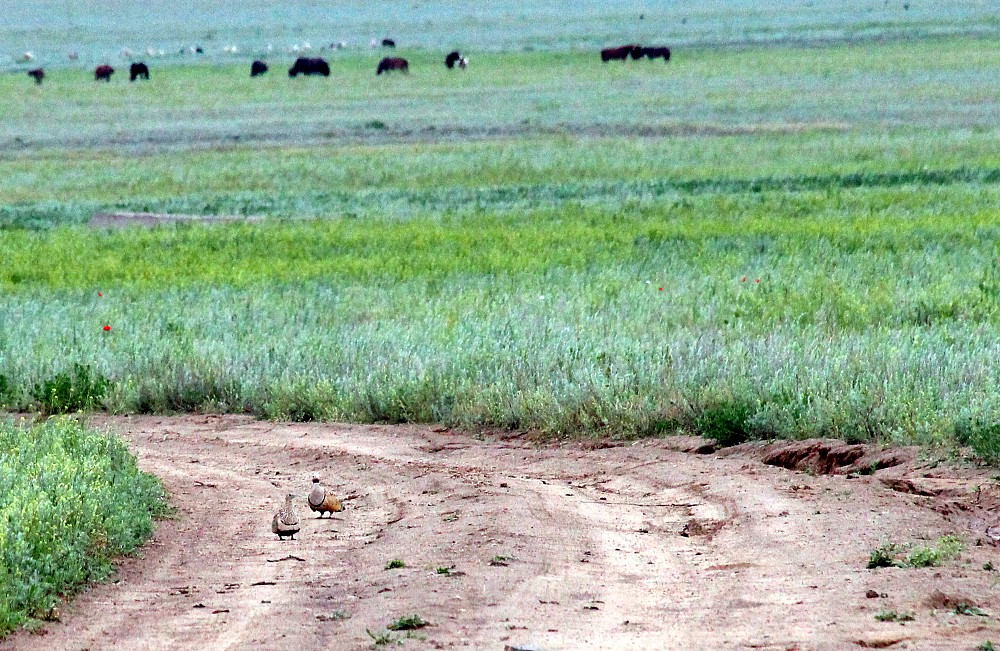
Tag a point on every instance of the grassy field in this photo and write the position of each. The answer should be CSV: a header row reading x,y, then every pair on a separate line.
x,y
73,501
488,247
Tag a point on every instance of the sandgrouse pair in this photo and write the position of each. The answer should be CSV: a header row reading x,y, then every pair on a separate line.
x,y
320,500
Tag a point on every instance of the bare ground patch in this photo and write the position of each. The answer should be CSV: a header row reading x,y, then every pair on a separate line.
x,y
508,543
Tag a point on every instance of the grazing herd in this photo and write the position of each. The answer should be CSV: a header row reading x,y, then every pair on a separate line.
x,y
623,52
319,66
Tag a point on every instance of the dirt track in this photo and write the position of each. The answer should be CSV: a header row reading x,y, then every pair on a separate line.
x,y
550,547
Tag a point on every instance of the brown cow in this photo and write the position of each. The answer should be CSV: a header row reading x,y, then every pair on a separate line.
x,y
619,53
37,74
392,63
103,73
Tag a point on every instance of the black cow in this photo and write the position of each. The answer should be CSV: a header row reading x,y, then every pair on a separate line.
x,y
137,70
103,73
656,53
310,66
37,74
392,63
257,68
619,53
452,58
388,42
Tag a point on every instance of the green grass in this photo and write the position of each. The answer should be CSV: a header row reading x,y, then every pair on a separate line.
x,y
73,502
486,249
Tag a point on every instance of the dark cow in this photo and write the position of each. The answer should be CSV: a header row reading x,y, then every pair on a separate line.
x,y
388,42
656,53
257,68
452,58
137,70
37,74
618,53
309,66
392,63
103,73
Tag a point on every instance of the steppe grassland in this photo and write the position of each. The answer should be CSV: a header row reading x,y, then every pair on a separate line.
x,y
487,248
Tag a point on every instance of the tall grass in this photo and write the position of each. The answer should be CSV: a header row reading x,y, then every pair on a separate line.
x,y
873,327
73,500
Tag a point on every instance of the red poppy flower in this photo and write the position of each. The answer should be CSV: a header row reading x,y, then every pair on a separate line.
x,y
757,281
101,294
743,279
107,328
661,289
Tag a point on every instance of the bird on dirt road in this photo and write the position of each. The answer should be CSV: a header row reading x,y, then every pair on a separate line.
x,y
286,522
322,500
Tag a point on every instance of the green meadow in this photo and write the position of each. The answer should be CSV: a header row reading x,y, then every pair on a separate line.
x,y
787,232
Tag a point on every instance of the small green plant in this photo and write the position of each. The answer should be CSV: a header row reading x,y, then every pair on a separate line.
x,y
446,571
376,124
395,564
501,561
986,646
966,608
883,556
79,390
946,547
988,566
335,616
408,623
383,638
893,616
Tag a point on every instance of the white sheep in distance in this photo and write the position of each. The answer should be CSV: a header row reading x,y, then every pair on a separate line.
x,y
27,56
463,63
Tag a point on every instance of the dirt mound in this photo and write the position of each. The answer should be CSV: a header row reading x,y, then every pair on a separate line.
x,y
829,457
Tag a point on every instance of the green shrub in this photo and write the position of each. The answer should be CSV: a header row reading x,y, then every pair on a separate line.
x,y
73,500
79,390
982,436
727,422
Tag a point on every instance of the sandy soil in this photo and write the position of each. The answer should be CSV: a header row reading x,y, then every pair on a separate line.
x,y
575,546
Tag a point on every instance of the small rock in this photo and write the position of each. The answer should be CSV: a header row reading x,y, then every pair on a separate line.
x,y
871,594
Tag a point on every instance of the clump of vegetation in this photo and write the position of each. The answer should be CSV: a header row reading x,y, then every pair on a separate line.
x,y
893,616
408,623
728,422
395,564
446,571
73,501
891,555
383,638
82,389
982,436
946,548
986,646
883,556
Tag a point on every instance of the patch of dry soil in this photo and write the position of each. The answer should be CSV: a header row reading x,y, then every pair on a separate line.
x,y
550,547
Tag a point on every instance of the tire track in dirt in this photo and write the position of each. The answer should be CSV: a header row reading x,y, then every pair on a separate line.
x,y
559,547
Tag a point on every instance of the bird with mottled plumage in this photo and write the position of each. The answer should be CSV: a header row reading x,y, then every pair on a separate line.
x,y
323,501
286,522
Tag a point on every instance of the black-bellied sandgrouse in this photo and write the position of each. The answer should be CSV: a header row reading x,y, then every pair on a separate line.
x,y
322,500
286,522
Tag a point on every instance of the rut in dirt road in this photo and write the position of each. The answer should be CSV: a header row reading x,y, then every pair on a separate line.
x,y
509,543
